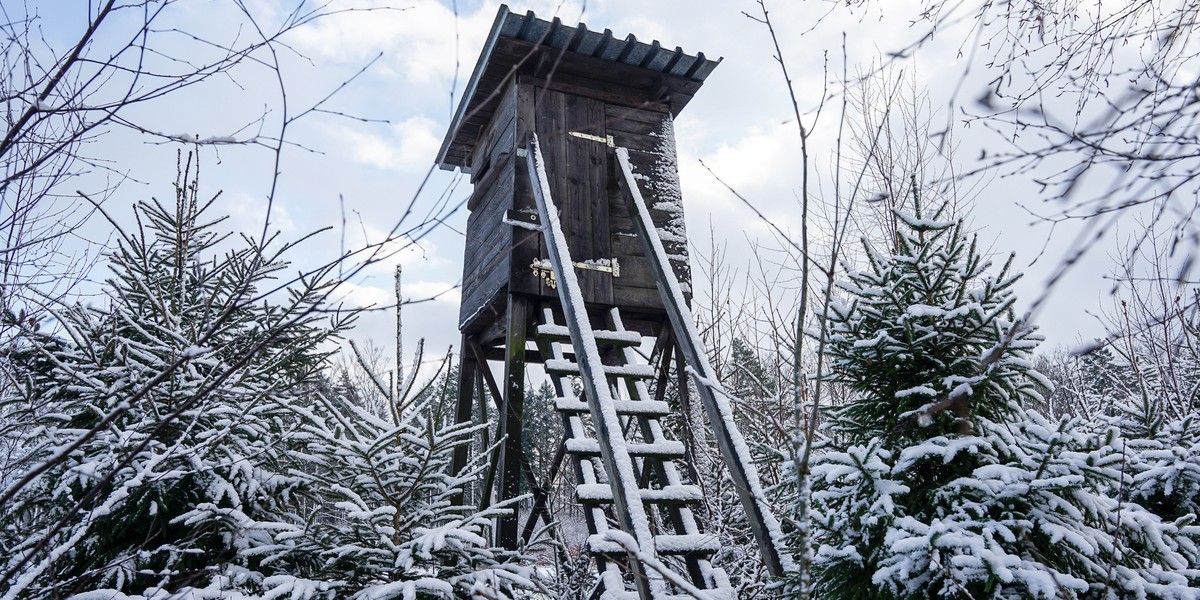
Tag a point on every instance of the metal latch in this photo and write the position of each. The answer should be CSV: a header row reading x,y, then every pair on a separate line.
x,y
522,219
543,269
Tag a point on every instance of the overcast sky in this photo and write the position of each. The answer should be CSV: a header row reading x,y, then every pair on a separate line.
x,y
740,124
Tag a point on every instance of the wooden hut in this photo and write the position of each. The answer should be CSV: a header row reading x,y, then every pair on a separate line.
x,y
581,92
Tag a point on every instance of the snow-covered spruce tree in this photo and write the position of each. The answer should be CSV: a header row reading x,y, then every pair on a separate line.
x,y
1158,414
1084,385
390,521
184,442
160,457
939,483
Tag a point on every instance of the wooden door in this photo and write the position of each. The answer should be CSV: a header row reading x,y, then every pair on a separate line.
x,y
571,129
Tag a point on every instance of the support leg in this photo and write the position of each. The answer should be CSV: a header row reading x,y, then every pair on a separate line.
x,y
539,490
463,409
541,496
690,440
513,415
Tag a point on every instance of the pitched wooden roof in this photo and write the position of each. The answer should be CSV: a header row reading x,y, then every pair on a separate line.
x,y
576,58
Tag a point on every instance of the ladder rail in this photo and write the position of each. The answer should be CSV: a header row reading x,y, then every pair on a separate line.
x,y
730,442
630,510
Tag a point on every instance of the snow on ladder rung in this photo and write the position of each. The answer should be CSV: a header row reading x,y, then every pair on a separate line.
x,y
560,333
719,594
664,544
560,366
644,408
695,543
599,544
601,493
661,449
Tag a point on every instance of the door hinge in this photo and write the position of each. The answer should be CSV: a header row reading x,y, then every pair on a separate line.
x,y
606,140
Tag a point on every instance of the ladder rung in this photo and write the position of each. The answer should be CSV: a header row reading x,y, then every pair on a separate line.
x,y
664,544
718,594
560,333
645,408
601,493
599,544
702,543
662,449
560,366
619,595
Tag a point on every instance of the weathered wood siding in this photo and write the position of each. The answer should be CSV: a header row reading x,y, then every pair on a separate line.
x,y
582,177
577,169
649,137
487,259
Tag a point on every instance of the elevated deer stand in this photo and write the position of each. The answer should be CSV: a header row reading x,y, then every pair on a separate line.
x,y
576,257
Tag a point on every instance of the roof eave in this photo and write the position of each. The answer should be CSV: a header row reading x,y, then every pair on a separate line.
x,y
469,92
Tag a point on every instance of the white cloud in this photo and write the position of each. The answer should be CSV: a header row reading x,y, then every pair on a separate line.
x,y
410,38
385,251
418,43
762,166
423,44
436,291
375,255
247,213
363,296
355,295
409,145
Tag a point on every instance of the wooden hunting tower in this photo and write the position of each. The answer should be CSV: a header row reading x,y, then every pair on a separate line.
x,y
575,243
582,92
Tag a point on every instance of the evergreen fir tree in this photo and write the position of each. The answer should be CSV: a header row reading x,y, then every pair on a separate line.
x,y
749,377
1158,409
163,417
387,521
184,441
1103,376
939,483
542,427
1165,470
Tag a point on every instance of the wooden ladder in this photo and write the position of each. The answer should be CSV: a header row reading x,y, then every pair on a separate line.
x,y
659,489
622,458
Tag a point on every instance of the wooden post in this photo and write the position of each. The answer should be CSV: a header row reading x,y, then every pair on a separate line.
x,y
462,411
513,415
541,496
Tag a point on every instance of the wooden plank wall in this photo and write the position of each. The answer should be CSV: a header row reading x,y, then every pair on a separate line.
x,y
528,246
487,258
645,132
577,169
582,177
